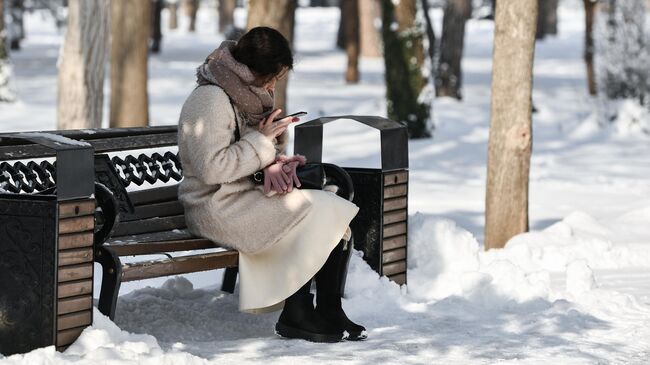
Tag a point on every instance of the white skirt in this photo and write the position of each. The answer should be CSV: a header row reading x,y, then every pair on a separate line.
x,y
267,278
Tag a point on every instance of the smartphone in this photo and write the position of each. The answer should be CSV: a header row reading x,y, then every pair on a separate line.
x,y
298,114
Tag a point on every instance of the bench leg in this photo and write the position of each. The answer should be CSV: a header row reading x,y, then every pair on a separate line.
x,y
111,281
229,279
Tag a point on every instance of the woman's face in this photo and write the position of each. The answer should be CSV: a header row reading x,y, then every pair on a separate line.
x,y
270,85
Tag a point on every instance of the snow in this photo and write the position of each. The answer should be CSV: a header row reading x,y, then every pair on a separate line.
x,y
573,290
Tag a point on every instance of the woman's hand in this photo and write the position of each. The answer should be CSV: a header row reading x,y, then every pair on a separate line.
x,y
272,129
275,178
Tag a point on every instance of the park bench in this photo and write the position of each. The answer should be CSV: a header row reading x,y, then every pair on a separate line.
x,y
137,212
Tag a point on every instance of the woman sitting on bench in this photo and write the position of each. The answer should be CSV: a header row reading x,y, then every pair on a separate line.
x,y
285,236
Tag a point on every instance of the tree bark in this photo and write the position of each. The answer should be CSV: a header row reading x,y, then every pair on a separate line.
x,y
156,29
340,34
590,13
404,58
368,32
350,10
17,32
510,141
81,74
191,8
278,14
431,36
226,15
173,14
449,75
130,21
551,16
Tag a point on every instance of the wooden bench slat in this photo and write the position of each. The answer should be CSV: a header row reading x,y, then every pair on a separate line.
x,y
134,142
163,209
147,248
150,225
155,195
179,265
180,234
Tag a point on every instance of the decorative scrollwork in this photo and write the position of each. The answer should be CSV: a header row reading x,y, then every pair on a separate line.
x,y
30,178
151,169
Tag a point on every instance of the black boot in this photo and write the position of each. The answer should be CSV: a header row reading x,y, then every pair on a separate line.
x,y
299,319
330,280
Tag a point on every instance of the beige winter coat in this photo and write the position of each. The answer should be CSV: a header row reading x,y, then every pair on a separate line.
x,y
220,201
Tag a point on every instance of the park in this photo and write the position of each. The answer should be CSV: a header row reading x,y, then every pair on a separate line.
x,y
498,152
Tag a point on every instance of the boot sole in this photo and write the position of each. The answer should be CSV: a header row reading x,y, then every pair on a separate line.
x,y
291,332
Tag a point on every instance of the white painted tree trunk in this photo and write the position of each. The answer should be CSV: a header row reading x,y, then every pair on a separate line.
x,y
510,143
369,18
82,64
130,24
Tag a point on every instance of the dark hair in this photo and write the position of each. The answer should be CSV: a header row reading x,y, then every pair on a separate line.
x,y
265,51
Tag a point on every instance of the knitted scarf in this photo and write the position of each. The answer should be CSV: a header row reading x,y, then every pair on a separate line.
x,y
236,79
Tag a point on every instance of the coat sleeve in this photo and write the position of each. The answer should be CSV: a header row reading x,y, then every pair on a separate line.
x,y
208,136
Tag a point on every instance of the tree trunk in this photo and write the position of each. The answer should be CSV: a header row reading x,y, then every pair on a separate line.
x,y
173,14
5,66
510,142
278,14
130,21
17,31
191,8
81,74
431,36
542,9
156,29
340,34
368,14
350,10
449,76
551,16
590,12
226,15
404,57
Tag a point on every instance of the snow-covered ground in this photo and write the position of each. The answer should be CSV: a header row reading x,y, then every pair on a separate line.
x,y
575,290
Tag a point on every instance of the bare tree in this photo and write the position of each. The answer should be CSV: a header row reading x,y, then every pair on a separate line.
x,y
350,10
156,26
5,66
226,15
404,58
431,35
191,9
172,6
546,18
590,13
278,14
369,14
130,22
16,27
449,75
510,142
81,71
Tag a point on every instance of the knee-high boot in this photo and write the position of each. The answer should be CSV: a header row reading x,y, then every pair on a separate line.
x,y
330,281
299,319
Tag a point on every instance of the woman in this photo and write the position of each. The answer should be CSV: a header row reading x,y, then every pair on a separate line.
x,y
284,237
